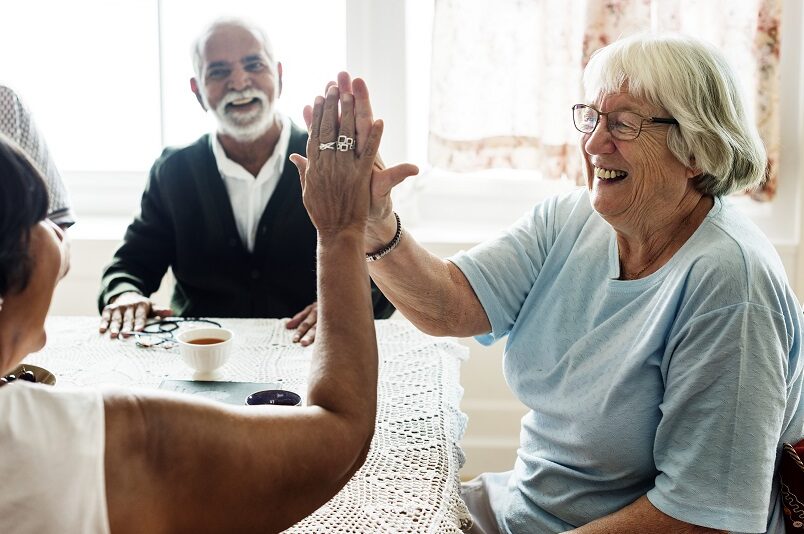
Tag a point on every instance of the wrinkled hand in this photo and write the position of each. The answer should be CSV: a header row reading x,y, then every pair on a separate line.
x,y
127,314
304,322
383,179
336,184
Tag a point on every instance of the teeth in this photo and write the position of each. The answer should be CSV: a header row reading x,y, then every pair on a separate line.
x,y
608,174
241,101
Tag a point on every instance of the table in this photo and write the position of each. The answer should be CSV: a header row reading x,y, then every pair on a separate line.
x,y
409,482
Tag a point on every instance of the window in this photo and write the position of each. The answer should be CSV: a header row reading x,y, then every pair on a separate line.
x,y
107,82
312,50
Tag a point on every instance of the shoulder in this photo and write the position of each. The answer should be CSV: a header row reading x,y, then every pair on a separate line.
x,y
175,160
34,463
24,399
11,110
729,261
30,414
8,96
565,214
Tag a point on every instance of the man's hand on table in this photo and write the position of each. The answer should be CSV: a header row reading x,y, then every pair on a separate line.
x,y
304,322
128,312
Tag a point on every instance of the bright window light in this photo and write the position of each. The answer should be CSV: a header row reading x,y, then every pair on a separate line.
x,y
312,50
108,80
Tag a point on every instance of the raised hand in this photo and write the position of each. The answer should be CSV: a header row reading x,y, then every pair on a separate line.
x,y
380,221
336,178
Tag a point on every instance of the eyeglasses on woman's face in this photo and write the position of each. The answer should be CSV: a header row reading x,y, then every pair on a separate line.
x,y
623,125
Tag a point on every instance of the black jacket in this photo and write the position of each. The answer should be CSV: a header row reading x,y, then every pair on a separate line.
x,y
186,223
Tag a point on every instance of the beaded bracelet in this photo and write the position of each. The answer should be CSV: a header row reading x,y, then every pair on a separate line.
x,y
390,246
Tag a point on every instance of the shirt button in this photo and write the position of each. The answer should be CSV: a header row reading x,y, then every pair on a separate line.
x,y
232,242
263,230
255,274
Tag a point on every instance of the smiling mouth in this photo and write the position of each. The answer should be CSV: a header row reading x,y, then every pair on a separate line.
x,y
609,175
242,103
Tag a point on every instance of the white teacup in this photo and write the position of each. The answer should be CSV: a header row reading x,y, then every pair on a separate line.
x,y
206,350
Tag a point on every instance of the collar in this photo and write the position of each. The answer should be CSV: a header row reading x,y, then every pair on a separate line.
x,y
273,167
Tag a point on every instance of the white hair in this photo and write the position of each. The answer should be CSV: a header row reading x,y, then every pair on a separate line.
x,y
696,85
198,44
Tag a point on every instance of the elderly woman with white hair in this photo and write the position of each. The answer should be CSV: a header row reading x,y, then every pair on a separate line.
x,y
651,327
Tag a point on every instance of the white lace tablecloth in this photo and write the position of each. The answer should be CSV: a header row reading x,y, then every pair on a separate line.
x,y
409,482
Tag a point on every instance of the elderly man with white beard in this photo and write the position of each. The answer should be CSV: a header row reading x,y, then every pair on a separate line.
x,y
224,213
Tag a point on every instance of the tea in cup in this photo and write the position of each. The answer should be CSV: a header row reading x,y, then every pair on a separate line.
x,y
205,350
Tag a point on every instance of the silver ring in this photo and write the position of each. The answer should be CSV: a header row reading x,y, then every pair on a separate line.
x,y
345,143
327,146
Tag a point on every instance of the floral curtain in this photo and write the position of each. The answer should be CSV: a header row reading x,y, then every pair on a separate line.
x,y
505,73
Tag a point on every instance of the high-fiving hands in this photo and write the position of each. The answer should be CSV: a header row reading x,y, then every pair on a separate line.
x,y
381,223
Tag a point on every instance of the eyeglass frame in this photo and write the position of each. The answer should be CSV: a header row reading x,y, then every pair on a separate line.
x,y
163,329
653,120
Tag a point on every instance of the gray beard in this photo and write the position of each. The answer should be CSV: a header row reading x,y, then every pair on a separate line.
x,y
246,127
246,133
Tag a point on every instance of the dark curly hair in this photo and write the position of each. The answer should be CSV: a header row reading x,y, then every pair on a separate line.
x,y
23,203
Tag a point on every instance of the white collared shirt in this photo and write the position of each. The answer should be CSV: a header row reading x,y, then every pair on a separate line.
x,y
249,194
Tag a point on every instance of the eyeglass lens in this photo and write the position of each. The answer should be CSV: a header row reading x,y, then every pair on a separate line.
x,y
622,124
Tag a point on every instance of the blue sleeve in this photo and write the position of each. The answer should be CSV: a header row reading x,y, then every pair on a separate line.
x,y
723,409
502,271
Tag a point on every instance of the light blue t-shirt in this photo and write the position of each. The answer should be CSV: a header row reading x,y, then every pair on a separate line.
x,y
680,385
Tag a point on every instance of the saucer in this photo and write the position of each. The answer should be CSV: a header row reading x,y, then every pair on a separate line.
x,y
42,375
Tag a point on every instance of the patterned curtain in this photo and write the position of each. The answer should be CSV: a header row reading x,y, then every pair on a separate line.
x,y
505,73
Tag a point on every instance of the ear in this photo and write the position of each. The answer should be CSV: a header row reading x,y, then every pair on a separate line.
x,y
197,92
692,169
279,77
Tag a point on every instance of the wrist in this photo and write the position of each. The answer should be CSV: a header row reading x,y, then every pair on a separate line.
x,y
390,246
344,238
124,295
381,232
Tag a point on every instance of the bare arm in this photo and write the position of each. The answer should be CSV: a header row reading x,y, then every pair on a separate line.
x,y
174,465
640,517
431,292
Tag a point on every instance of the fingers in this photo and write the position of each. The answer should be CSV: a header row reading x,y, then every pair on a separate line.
x,y
329,118
299,317
301,164
372,145
347,124
140,316
159,311
306,321
128,321
307,112
308,337
364,117
115,322
385,180
344,82
315,127
106,316
128,313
